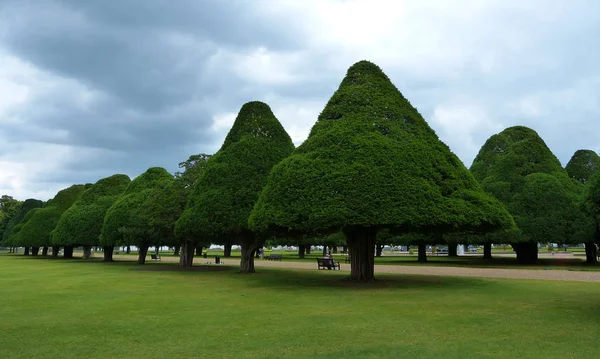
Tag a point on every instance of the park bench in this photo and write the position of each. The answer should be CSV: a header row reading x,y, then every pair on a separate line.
x,y
348,260
274,257
156,257
328,263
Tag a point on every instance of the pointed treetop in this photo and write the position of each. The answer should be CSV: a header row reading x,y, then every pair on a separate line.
x,y
255,119
372,160
232,179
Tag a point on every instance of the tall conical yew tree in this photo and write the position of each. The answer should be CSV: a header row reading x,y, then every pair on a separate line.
x,y
583,166
11,230
122,224
233,178
36,232
82,223
370,162
518,168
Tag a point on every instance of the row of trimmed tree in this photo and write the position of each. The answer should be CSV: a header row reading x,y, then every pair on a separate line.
x,y
371,172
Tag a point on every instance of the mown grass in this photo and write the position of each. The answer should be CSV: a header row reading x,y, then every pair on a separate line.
x,y
72,309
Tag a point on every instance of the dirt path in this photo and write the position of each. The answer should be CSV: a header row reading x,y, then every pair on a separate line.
x,y
567,275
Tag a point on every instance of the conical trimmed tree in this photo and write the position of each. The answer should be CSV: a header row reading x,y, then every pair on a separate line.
x,y
583,166
18,219
518,168
82,223
370,162
232,180
36,232
122,223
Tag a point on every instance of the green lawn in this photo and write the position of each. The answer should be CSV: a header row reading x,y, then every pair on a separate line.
x,y
56,308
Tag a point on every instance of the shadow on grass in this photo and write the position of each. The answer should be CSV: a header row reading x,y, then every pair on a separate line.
x,y
293,279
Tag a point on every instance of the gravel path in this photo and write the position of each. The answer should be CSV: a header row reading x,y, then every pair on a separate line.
x,y
556,274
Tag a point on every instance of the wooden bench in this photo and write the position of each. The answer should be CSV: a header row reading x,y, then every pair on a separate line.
x,y
155,257
328,263
348,260
274,257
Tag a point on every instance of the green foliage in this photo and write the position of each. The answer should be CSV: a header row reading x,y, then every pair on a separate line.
x,y
517,167
28,205
372,160
233,178
36,232
122,223
82,223
192,168
583,165
155,218
8,208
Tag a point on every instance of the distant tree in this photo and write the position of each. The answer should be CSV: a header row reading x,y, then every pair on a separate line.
x,y
8,209
81,224
36,232
9,234
185,181
123,224
226,192
583,165
519,169
192,168
372,162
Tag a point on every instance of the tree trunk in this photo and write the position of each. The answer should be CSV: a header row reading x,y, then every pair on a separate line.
x,y
324,251
44,251
249,245
186,256
108,253
143,252
591,255
35,251
198,250
308,249
452,249
87,252
334,249
422,257
527,252
301,250
157,250
378,250
26,251
176,253
227,251
487,251
55,250
361,243
68,252
128,250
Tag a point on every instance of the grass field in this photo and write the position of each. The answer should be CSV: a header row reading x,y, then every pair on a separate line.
x,y
72,309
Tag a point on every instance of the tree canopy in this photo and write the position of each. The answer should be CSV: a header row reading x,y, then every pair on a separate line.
x,y
583,165
121,223
21,217
233,178
8,208
519,169
371,161
82,223
36,232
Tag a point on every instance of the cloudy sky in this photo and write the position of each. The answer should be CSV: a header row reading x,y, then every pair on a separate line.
x,y
90,88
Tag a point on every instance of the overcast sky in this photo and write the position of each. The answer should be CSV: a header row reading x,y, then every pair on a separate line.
x,y
90,88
